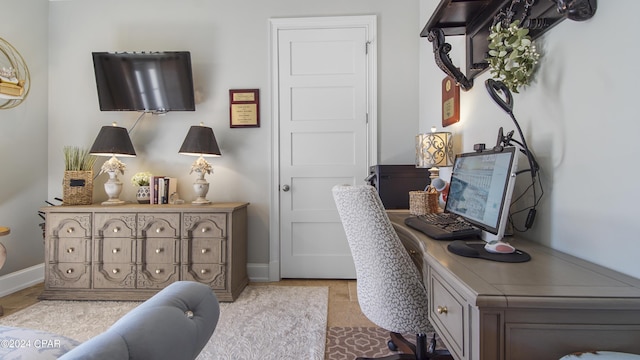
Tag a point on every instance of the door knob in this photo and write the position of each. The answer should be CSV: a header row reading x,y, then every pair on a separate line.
x,y
285,188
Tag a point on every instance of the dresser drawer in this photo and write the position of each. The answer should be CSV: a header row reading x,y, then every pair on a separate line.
x,y
69,225
160,251
198,225
68,275
448,314
212,251
71,250
114,250
213,275
159,225
115,225
157,276
114,276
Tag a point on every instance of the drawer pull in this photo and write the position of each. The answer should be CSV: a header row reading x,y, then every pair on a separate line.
x,y
441,310
70,230
159,230
70,250
116,229
158,271
69,271
158,251
205,229
204,251
115,250
115,271
203,271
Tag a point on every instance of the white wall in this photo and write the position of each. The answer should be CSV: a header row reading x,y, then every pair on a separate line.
x,y
23,137
580,118
229,47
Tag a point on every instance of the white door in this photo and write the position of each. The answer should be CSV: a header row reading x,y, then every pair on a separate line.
x,y
325,126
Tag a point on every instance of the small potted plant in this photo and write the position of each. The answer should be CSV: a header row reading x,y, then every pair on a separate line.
x,y
512,55
77,185
142,180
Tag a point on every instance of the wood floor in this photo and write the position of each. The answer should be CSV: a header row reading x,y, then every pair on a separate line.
x,y
343,311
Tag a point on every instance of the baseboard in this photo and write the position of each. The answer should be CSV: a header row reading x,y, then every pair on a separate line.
x,y
21,279
258,272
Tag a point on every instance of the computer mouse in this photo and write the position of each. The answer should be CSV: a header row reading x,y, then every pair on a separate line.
x,y
499,247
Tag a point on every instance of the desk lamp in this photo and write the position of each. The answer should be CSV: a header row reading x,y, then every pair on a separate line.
x,y
200,142
432,150
111,141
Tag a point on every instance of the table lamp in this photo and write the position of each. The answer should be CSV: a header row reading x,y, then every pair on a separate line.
x,y
111,141
434,149
200,142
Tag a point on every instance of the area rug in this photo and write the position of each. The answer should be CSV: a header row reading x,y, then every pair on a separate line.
x,y
347,343
265,322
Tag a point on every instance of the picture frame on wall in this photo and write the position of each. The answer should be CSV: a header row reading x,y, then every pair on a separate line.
x,y
244,108
450,101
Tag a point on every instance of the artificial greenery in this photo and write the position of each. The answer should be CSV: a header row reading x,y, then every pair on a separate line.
x,y
512,55
78,159
141,178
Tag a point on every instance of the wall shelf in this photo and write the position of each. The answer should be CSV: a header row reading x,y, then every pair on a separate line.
x,y
473,18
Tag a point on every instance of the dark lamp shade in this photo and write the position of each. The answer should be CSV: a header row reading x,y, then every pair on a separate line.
x,y
113,140
200,141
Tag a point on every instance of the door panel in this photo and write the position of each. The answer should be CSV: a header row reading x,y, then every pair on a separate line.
x,y
323,104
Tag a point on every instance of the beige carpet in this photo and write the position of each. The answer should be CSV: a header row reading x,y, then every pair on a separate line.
x,y
265,322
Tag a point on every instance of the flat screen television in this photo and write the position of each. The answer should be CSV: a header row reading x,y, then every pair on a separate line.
x,y
156,82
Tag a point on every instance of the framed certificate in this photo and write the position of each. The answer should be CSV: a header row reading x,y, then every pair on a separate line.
x,y
450,101
244,108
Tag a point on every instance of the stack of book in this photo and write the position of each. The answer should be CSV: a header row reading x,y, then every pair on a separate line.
x,y
162,188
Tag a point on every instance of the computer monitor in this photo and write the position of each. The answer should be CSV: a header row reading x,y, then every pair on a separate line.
x,y
481,187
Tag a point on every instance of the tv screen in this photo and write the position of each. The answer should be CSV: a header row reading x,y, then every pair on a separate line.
x,y
155,82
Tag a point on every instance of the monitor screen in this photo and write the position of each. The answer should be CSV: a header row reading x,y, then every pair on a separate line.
x,y
481,187
152,82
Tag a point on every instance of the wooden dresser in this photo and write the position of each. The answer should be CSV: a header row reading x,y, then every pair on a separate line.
x,y
550,306
130,252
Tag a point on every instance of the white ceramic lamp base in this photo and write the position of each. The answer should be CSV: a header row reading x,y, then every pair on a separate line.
x,y
201,188
113,188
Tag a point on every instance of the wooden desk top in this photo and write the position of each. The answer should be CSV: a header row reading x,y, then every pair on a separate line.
x,y
4,230
550,279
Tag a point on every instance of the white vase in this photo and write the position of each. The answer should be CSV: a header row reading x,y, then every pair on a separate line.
x,y
113,188
201,187
143,195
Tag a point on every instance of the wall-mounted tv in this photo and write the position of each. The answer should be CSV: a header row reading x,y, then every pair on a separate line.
x,y
155,82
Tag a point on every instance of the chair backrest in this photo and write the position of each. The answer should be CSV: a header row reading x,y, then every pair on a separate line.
x,y
390,289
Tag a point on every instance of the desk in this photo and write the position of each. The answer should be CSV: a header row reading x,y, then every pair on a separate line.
x,y
542,309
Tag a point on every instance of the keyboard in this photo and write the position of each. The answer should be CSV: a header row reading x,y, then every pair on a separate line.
x,y
443,226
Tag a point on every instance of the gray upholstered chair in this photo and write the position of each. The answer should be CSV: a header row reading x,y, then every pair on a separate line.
x,y
389,286
174,324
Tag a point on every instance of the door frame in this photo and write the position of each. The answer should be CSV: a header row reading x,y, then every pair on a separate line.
x,y
369,22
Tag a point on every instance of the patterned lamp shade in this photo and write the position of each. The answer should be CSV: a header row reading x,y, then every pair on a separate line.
x,y
434,149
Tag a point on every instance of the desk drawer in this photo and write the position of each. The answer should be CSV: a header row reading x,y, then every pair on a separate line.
x,y
448,314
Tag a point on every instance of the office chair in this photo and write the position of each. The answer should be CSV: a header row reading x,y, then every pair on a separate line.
x,y
389,286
